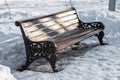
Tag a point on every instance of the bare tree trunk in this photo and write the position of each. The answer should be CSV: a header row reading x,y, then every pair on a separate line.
x,y
112,4
8,8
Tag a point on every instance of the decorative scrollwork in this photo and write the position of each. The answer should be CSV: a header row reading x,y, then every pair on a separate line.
x,y
41,49
87,26
35,50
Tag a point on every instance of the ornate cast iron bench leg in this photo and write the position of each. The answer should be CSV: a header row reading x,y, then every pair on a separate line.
x,y
36,50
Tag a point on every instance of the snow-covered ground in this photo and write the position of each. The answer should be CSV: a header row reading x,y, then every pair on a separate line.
x,y
90,62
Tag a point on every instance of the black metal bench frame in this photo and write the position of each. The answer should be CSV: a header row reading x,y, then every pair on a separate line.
x,y
48,49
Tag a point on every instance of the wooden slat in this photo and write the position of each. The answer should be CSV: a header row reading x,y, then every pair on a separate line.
x,y
45,36
52,29
59,31
27,24
55,25
54,17
77,38
72,27
49,19
66,34
60,20
60,12
30,23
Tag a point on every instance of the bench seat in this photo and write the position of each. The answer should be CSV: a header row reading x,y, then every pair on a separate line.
x,y
71,37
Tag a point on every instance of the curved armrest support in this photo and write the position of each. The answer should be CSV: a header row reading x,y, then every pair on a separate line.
x,y
92,25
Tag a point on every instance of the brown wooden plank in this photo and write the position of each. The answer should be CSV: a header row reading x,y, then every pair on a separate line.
x,y
60,12
49,20
66,34
46,36
54,17
73,35
71,41
52,29
56,32
39,21
60,20
54,25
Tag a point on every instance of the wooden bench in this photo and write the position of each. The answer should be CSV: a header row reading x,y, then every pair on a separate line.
x,y
44,36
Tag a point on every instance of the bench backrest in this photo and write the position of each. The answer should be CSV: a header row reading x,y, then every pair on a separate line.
x,y
41,28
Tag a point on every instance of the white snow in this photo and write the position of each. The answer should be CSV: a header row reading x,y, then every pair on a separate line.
x,y
5,73
90,62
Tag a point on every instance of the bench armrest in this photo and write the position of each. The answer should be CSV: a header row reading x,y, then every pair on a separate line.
x,y
92,25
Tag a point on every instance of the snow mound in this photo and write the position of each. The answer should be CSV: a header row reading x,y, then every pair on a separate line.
x,y
6,75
